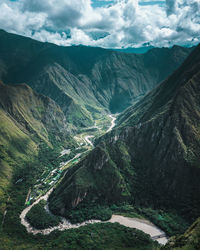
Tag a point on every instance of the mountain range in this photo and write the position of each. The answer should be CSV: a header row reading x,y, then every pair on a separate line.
x,y
49,94
85,82
151,158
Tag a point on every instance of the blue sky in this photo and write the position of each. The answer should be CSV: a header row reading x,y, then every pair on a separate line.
x,y
101,3
104,23
97,3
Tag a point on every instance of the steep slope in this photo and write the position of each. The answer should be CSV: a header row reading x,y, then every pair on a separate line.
x,y
27,120
152,158
85,81
189,240
37,115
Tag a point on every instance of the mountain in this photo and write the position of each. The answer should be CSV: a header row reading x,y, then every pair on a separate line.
x,y
151,158
140,50
85,82
27,120
189,240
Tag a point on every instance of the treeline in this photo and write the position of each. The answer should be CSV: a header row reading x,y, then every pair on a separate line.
x,y
82,213
39,218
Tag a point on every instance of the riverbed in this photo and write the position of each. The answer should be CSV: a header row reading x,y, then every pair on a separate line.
x,y
143,225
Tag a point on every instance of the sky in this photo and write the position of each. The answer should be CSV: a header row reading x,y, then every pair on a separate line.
x,y
104,23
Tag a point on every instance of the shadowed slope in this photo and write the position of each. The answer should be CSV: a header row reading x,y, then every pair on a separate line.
x,y
189,240
85,81
152,158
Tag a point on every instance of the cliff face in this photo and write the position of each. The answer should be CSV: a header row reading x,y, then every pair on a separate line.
x,y
85,81
152,157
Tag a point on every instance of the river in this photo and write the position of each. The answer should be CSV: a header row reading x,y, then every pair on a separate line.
x,y
88,141
143,225
112,123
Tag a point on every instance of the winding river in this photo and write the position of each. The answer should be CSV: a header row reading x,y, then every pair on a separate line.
x,y
140,224
88,141
112,123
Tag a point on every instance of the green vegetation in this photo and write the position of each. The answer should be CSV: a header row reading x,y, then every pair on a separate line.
x,y
190,240
170,222
93,236
151,160
15,149
30,125
105,184
86,88
126,210
39,218
83,213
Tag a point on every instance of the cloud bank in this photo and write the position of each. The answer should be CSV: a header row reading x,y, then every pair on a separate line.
x,y
115,24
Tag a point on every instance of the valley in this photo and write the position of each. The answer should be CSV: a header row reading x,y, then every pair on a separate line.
x,y
99,149
51,176
85,82
143,225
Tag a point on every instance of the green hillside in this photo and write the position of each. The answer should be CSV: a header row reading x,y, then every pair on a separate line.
x,y
151,159
146,167
190,240
85,82
28,120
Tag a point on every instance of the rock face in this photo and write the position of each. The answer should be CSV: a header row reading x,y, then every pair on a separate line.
x,y
152,158
85,81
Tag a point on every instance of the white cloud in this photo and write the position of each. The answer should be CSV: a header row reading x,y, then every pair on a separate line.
x,y
125,22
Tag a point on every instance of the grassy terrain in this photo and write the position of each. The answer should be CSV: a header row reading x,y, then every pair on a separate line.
x,y
27,121
153,163
15,148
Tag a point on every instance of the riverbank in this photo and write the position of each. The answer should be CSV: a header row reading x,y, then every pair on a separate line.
x,y
140,224
143,225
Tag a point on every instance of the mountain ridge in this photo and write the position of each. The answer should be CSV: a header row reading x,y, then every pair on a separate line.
x,y
109,81
152,159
